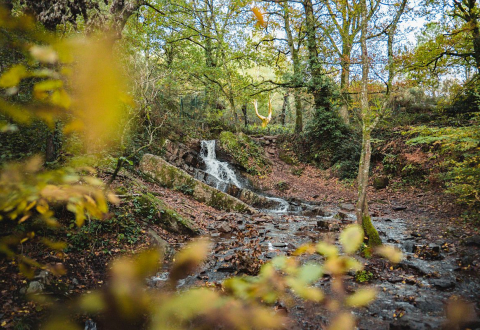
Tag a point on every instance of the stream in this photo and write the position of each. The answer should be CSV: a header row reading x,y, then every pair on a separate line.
x,y
411,295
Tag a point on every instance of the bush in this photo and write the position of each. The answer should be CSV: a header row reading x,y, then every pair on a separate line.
x,y
330,142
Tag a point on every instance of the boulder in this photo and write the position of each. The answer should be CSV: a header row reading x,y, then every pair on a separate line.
x,y
347,207
171,177
380,182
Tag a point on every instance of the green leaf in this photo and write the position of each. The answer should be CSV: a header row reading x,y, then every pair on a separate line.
x,y
310,273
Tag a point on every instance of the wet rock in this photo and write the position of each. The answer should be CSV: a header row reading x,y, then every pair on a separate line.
x,y
429,305
233,190
90,325
316,211
395,279
473,241
409,246
34,287
273,254
279,244
224,228
399,207
416,234
328,224
418,265
44,277
347,207
443,284
409,322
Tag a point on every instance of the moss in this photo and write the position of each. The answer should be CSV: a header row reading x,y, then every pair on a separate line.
x,y
287,157
363,276
371,232
171,177
154,210
245,152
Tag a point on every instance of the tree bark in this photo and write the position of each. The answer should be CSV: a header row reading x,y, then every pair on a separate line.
x,y
317,84
297,79
284,109
361,210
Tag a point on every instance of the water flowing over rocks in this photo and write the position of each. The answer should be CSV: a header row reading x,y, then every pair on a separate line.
x,y
410,295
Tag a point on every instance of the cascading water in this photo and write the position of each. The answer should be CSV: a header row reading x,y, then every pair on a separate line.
x,y
220,175
221,172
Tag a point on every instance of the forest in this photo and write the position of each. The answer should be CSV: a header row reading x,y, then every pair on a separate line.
x,y
238,164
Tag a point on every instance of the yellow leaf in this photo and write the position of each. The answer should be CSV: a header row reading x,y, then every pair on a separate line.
x,y
45,54
361,298
351,238
42,207
344,321
13,76
259,16
391,253
61,98
328,250
73,126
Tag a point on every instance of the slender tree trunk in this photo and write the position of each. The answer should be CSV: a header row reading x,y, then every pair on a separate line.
x,y
345,81
244,111
50,149
298,112
297,79
284,109
361,210
390,41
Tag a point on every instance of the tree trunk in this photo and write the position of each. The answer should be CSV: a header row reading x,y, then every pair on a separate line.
x,y
298,113
361,210
345,81
297,79
244,111
284,109
50,149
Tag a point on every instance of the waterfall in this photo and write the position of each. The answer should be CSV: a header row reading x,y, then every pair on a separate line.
x,y
221,176
221,172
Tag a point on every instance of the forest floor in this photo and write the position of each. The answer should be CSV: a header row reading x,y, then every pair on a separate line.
x,y
430,224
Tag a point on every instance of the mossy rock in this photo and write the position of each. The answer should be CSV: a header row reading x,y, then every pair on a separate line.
x,y
245,152
154,210
287,157
370,232
380,182
172,177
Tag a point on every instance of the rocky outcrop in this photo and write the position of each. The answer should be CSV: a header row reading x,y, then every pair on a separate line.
x,y
182,156
172,177
161,214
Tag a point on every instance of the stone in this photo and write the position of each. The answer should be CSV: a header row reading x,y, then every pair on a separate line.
x,y
443,284
380,182
316,211
34,287
472,241
90,325
399,207
347,206
170,176
224,228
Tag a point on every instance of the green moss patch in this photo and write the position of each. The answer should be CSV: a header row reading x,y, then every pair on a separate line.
x,y
246,152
